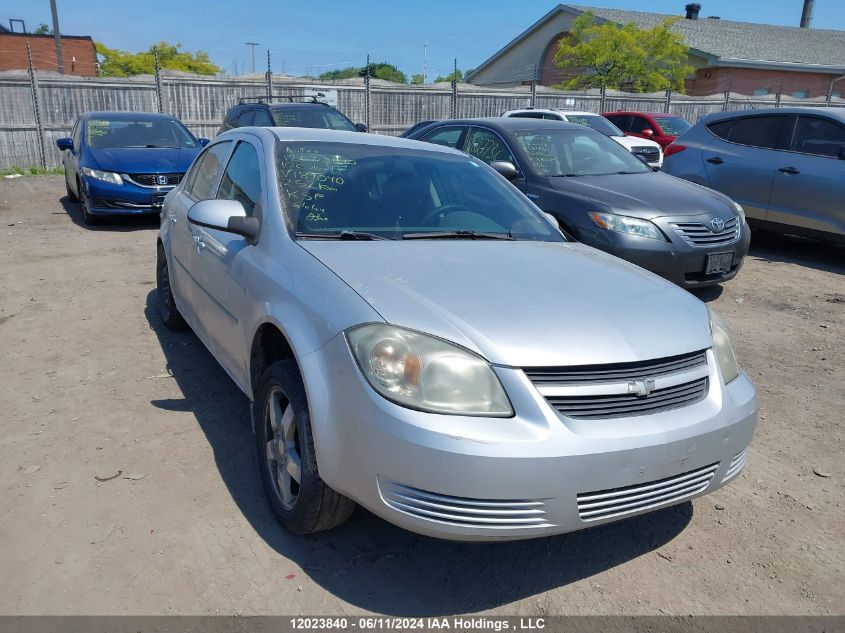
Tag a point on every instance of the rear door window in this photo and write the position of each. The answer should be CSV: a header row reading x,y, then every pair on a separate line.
x,y
622,121
528,115
759,131
639,123
818,136
262,119
450,136
247,117
205,172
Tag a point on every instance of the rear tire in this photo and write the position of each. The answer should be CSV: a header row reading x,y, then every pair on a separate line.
x,y
299,498
167,309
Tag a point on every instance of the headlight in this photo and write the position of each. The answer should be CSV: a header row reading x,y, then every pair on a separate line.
x,y
740,211
722,347
626,224
426,373
105,176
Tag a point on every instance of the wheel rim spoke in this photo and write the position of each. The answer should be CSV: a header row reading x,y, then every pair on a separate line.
x,y
271,451
293,464
283,480
276,414
287,423
283,459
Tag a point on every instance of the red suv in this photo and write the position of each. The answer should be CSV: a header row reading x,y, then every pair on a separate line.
x,y
659,127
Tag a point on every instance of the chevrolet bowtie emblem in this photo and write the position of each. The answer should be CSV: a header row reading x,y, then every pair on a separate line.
x,y
641,387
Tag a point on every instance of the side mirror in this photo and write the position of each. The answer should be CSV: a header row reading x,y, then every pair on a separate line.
x,y
647,132
64,143
841,153
224,215
642,158
361,127
505,168
203,141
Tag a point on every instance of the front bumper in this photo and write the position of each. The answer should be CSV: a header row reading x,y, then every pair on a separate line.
x,y
470,478
674,260
110,199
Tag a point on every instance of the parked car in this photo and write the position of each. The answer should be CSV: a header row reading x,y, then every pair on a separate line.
x,y
119,163
604,197
785,166
416,127
292,113
644,149
417,337
659,127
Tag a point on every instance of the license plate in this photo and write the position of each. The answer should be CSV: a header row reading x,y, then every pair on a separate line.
x,y
718,263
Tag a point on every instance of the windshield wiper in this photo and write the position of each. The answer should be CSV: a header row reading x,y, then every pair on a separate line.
x,y
342,235
457,235
564,175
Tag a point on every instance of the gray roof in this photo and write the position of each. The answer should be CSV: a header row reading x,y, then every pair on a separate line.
x,y
742,41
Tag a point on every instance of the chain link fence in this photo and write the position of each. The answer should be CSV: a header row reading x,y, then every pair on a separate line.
x,y
36,109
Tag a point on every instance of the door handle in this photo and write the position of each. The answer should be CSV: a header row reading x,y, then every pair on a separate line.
x,y
172,217
715,160
789,170
198,242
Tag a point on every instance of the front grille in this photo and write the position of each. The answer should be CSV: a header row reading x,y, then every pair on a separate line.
x,y
462,511
651,154
704,235
151,180
737,464
629,404
617,502
617,372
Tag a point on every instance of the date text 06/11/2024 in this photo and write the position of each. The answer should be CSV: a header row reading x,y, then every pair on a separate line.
x,y
408,624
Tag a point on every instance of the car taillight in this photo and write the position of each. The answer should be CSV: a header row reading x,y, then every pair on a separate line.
x,y
673,148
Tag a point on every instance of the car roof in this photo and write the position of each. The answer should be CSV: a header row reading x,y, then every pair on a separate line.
x,y
105,114
836,113
656,115
305,134
514,123
556,111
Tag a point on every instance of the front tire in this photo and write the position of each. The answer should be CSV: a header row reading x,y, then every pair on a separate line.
x,y
70,195
299,498
167,309
85,203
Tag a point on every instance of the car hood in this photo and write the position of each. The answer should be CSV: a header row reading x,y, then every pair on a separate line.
x,y
522,303
144,160
648,195
632,141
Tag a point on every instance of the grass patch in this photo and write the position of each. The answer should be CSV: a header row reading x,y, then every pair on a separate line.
x,y
32,171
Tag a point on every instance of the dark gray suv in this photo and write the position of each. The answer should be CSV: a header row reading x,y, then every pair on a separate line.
x,y
605,197
255,111
785,166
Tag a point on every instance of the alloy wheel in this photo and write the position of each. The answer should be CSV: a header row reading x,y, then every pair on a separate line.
x,y
282,450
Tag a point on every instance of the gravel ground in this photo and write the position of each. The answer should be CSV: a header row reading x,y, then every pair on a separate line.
x,y
128,490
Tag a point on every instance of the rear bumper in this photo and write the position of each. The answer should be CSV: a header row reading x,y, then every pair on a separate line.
x,y
536,474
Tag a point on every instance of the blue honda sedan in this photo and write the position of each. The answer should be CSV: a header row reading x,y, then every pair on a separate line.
x,y
120,163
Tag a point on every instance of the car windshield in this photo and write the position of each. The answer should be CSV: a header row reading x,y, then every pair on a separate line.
x,y
673,125
598,123
137,132
358,191
309,115
576,152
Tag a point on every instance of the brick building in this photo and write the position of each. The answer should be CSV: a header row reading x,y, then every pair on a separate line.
x,y
741,57
80,56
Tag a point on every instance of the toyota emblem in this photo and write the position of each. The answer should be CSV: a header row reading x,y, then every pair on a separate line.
x,y
718,224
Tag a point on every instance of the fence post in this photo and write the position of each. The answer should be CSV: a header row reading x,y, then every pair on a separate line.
x,y
534,87
269,77
727,101
455,91
33,85
668,103
367,95
777,99
159,99
603,100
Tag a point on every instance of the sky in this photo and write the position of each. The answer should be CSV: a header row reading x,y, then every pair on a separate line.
x,y
312,36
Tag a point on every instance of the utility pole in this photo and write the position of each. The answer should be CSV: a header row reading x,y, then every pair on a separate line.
x,y
425,60
269,79
36,109
455,91
253,45
58,37
367,94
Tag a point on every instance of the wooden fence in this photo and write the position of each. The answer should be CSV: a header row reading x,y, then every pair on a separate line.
x,y
36,109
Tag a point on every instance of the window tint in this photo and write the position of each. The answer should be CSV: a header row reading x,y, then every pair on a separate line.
x,y
203,176
242,178
75,135
818,136
722,129
487,146
622,121
673,125
638,124
528,115
758,131
262,119
552,117
246,118
311,115
444,136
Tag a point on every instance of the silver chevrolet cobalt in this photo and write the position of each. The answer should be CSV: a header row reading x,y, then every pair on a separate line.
x,y
417,337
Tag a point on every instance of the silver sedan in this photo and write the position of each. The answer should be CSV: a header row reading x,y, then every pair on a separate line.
x,y
417,337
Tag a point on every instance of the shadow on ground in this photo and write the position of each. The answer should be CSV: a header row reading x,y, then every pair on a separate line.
x,y
371,563
117,223
777,248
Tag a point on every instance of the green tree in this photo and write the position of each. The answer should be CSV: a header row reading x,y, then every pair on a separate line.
x,y
342,73
118,63
623,57
380,70
455,74
43,29
417,79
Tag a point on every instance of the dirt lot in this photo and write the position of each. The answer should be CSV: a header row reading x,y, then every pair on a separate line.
x,y
183,528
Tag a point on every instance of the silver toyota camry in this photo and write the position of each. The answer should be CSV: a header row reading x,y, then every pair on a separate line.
x,y
417,337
